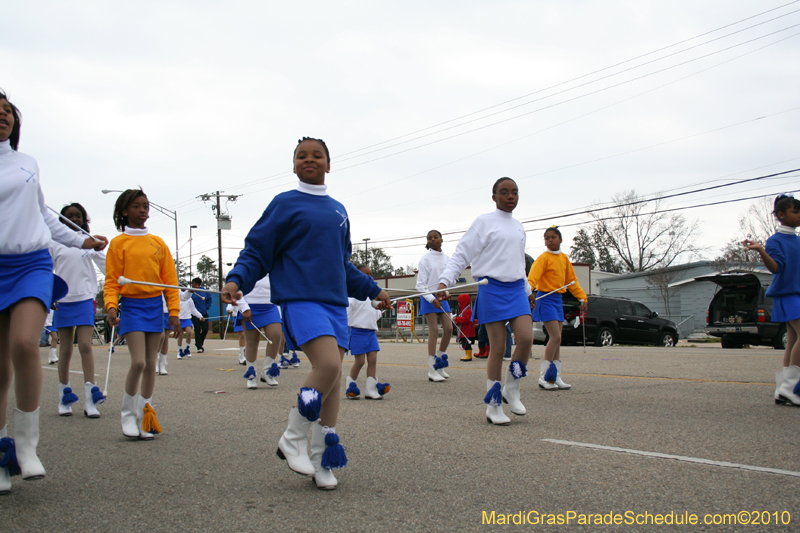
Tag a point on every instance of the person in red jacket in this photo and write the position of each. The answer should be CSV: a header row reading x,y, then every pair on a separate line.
x,y
467,325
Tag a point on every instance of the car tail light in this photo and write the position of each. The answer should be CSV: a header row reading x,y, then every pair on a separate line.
x,y
761,315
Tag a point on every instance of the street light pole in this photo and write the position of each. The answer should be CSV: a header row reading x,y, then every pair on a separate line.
x,y
366,251
170,214
190,252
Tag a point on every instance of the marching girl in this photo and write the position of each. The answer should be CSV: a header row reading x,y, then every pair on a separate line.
x,y
781,256
187,311
430,268
362,319
551,271
495,246
26,275
140,256
303,242
76,312
236,312
259,313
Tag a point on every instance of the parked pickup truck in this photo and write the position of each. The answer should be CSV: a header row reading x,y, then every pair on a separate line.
x,y
740,312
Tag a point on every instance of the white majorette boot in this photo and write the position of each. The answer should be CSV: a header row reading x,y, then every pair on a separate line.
x,y
130,427
372,390
161,364
92,398
516,371
52,356
26,439
270,371
326,450
293,446
352,392
559,382
778,382
294,361
494,404
66,399
284,364
547,375
442,363
251,377
242,358
789,391
7,447
180,352
146,419
433,372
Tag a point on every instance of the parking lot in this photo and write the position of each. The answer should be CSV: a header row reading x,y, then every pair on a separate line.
x,y
694,430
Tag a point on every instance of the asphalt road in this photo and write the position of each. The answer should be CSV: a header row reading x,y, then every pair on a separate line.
x,y
424,458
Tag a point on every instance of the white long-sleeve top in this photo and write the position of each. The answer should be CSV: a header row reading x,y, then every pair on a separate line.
x,y
259,295
429,270
187,307
26,225
76,267
361,314
495,247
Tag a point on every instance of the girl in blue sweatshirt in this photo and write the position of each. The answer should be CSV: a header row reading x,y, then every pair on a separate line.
x,y
303,242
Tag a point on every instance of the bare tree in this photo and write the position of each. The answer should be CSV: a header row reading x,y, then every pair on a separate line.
x,y
640,236
757,224
661,279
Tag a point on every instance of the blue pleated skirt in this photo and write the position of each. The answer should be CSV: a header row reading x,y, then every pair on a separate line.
x,y
426,307
548,308
26,276
785,308
305,321
501,301
263,315
73,314
141,314
363,341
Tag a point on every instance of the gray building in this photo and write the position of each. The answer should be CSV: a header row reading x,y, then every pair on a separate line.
x,y
688,300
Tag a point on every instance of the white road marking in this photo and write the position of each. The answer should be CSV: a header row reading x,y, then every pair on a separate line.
x,y
71,371
683,458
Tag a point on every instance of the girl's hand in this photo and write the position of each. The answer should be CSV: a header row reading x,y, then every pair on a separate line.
x,y
532,300
202,319
230,293
584,306
752,245
248,315
384,301
442,294
175,326
436,303
112,319
97,243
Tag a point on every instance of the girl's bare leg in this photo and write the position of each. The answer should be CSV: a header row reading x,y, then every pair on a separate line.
x,y
275,334
497,349
433,332
6,370
87,356
26,317
791,356
372,364
252,338
326,359
164,342
355,370
522,326
447,332
65,336
553,348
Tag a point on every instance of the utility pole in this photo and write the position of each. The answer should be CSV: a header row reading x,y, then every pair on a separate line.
x,y
223,222
366,251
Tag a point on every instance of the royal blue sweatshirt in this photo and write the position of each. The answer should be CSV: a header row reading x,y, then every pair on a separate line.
x,y
302,240
784,248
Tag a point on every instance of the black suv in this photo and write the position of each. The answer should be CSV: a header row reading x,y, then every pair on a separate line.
x,y
740,313
616,320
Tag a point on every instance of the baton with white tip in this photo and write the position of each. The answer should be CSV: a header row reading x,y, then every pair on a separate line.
x,y
108,368
484,281
570,284
122,280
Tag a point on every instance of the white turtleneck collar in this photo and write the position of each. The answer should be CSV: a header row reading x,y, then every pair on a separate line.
x,y
787,230
504,214
316,190
557,252
5,148
136,232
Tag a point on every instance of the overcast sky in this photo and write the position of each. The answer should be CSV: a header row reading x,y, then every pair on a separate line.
x,y
422,104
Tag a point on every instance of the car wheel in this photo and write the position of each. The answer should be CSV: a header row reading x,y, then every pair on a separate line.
x,y
728,343
668,339
779,343
605,337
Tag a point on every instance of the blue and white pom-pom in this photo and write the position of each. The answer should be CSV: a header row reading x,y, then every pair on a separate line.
x,y
274,370
439,363
8,456
309,403
251,373
518,369
284,361
797,388
333,456
294,360
97,395
383,388
69,397
445,361
494,397
551,374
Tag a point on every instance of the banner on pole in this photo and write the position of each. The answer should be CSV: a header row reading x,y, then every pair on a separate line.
x,y
405,314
